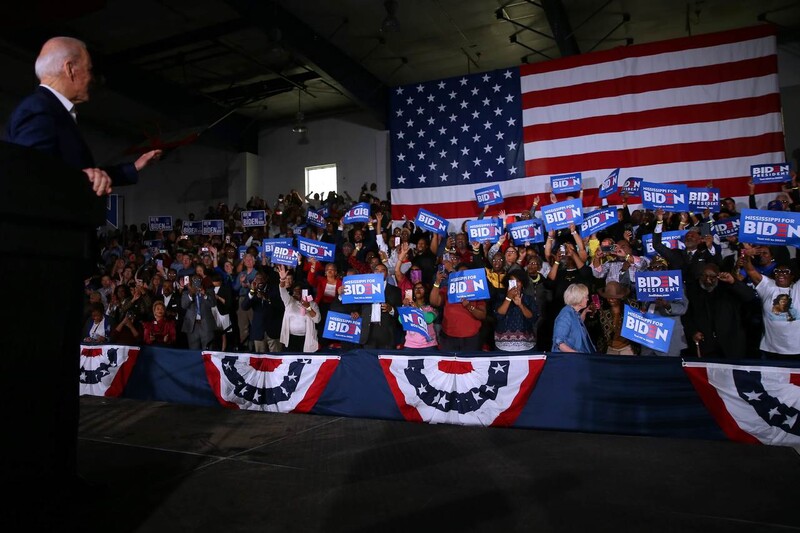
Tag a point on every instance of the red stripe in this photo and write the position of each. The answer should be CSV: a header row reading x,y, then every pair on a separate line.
x,y
214,379
641,50
317,387
794,378
656,155
654,118
409,413
510,415
708,393
117,386
673,79
733,186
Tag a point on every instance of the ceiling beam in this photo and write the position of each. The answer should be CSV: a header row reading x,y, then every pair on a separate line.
x,y
560,27
319,54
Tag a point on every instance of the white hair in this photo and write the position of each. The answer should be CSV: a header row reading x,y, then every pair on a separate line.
x,y
575,294
55,53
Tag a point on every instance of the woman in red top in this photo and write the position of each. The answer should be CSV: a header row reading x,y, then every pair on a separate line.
x,y
326,289
161,330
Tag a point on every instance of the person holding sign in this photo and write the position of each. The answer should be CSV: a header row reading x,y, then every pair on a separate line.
x,y
673,309
298,328
611,341
569,332
699,250
461,322
516,315
417,297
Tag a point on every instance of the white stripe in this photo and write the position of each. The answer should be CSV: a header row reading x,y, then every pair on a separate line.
x,y
661,136
663,62
666,98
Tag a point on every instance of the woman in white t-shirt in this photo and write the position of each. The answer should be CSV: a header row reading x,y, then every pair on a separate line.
x,y
780,303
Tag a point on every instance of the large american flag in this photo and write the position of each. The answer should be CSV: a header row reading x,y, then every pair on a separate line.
x,y
687,110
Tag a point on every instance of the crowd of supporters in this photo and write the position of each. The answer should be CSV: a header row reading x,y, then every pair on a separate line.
x,y
566,294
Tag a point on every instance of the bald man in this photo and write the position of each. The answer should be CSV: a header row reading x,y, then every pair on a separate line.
x,y
47,119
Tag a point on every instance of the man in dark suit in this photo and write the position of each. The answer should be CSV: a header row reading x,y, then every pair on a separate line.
x,y
700,251
379,321
198,320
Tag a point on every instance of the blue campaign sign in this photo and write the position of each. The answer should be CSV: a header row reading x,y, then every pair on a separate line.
x,y
242,250
284,255
666,196
489,195
468,285
526,232
413,319
769,227
213,227
253,219
113,217
430,222
484,230
647,329
315,218
597,220
774,173
341,327
364,289
159,223
154,245
666,284
566,183
324,211
704,198
726,227
560,215
670,239
321,251
609,185
269,244
193,227
632,187
357,213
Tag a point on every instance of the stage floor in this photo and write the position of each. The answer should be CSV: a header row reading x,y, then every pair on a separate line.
x,y
176,468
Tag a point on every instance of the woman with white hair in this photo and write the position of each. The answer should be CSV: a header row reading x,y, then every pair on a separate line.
x,y
569,332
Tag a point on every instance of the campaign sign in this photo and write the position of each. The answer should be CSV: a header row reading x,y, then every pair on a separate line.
x,y
609,185
154,245
666,196
597,220
769,227
704,198
666,284
647,329
242,250
776,173
670,239
284,255
357,213
213,227
489,195
632,187
485,230
726,227
363,289
560,215
566,183
193,227
413,319
430,222
113,214
324,211
341,327
252,219
269,244
468,285
321,251
157,223
315,219
525,232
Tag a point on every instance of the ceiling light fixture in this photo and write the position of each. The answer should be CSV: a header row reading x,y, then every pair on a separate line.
x,y
390,23
299,123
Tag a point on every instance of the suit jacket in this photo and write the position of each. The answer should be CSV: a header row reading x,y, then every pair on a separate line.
x,y
689,264
384,331
207,322
40,121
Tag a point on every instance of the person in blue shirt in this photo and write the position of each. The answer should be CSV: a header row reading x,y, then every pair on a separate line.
x,y
569,332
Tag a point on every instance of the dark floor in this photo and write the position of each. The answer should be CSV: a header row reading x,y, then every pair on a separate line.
x,y
175,468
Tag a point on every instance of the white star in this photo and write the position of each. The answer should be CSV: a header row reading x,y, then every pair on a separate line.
x,y
436,398
500,135
430,97
409,100
496,88
490,388
512,145
401,157
452,118
476,162
509,98
454,164
256,396
410,123
452,94
441,85
790,421
292,377
420,110
476,138
285,392
421,133
453,140
431,120
443,176
228,365
442,130
465,175
753,396
487,125
411,167
474,91
432,166
487,149
399,90
420,88
477,396
501,159
774,412
485,78
475,114
399,112
400,135
443,401
401,179
512,121
422,179
463,81
422,390
465,127
490,173
512,171
499,368
443,154
485,101
498,111
431,143
465,151
507,74
441,108
463,104
421,155
411,145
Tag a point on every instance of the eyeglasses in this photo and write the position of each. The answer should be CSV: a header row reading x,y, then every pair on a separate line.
x,y
784,271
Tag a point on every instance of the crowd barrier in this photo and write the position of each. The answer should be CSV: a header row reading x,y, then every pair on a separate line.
x,y
646,396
